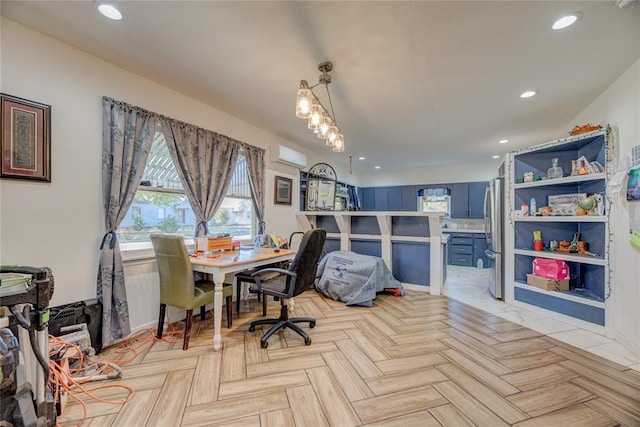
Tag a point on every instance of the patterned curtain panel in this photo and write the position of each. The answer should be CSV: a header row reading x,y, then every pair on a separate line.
x,y
126,140
205,161
256,168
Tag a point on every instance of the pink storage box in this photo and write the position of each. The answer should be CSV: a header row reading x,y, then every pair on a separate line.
x,y
551,268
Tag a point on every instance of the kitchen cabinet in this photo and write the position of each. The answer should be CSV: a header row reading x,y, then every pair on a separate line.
x,y
368,198
479,248
390,198
461,249
465,249
587,299
467,199
381,201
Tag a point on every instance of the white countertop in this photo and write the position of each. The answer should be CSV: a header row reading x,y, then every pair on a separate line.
x,y
463,230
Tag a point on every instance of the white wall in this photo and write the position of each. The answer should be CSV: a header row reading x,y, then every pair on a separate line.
x,y
619,106
431,175
60,224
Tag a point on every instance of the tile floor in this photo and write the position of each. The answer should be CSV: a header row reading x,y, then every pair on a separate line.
x,y
470,285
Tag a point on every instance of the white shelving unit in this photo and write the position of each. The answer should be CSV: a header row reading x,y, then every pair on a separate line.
x,y
342,227
587,302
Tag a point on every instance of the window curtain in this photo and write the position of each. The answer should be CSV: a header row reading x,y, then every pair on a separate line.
x,y
205,162
256,169
126,141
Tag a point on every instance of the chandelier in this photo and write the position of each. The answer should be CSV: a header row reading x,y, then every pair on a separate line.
x,y
319,120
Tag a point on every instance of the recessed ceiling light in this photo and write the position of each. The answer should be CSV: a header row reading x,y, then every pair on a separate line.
x,y
377,167
360,158
495,157
567,20
110,12
503,141
528,94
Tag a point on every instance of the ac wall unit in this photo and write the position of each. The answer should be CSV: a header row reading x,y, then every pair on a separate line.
x,y
282,154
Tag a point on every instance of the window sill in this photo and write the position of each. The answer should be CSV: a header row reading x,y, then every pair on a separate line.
x,y
143,251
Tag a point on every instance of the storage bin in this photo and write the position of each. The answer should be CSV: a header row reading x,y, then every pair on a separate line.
x,y
550,268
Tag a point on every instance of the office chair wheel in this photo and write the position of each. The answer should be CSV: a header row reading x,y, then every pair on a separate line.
x,y
312,325
307,341
252,328
264,344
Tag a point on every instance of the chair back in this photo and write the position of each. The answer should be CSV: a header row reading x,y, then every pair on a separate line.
x,y
306,260
174,267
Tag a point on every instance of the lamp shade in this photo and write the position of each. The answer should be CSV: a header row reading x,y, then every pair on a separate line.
x,y
303,103
315,117
331,135
338,144
325,124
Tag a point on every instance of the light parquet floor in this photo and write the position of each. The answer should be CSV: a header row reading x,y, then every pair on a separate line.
x,y
416,360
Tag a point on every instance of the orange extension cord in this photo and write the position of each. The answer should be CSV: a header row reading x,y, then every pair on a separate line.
x,y
69,381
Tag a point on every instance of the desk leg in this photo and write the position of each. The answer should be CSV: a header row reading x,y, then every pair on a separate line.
x,y
218,279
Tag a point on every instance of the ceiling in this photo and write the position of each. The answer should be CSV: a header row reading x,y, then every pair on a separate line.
x,y
414,83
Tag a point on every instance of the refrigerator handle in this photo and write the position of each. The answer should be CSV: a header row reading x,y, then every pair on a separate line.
x,y
487,213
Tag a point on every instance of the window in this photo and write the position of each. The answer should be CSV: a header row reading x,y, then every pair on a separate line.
x,y
161,206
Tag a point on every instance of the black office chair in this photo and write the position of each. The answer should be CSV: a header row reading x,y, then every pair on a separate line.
x,y
297,278
246,276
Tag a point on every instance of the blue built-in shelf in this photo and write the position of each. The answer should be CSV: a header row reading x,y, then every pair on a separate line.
x,y
586,301
410,243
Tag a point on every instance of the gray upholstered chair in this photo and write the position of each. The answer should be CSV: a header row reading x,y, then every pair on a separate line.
x,y
297,278
178,287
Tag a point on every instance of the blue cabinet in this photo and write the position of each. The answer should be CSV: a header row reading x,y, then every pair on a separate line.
x,y
479,248
459,200
466,249
476,198
409,198
368,198
467,199
393,198
381,202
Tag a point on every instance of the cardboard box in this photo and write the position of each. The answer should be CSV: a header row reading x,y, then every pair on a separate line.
x,y
213,244
547,284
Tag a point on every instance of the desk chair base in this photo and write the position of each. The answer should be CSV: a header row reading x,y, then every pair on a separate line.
x,y
282,323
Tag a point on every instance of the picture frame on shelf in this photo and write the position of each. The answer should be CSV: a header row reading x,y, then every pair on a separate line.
x,y
282,191
26,139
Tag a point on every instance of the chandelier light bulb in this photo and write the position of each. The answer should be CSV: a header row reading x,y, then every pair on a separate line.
x,y
314,118
325,124
338,144
331,135
303,103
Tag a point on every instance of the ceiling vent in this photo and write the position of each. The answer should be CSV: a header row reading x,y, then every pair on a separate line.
x,y
282,154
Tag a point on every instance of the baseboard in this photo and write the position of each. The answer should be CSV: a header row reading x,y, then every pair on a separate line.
x,y
418,288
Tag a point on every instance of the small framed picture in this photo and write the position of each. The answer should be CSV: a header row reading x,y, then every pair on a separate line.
x,y
283,187
26,139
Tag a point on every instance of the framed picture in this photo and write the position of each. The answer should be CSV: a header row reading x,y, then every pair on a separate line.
x,y
282,191
26,139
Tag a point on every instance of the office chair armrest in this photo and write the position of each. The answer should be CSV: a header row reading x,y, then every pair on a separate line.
x,y
275,270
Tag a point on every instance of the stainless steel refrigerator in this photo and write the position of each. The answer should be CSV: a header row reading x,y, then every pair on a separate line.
x,y
494,230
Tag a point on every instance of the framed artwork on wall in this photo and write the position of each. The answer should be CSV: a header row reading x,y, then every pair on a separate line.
x,y
282,191
26,139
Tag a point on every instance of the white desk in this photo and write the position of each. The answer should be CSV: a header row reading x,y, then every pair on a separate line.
x,y
232,262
